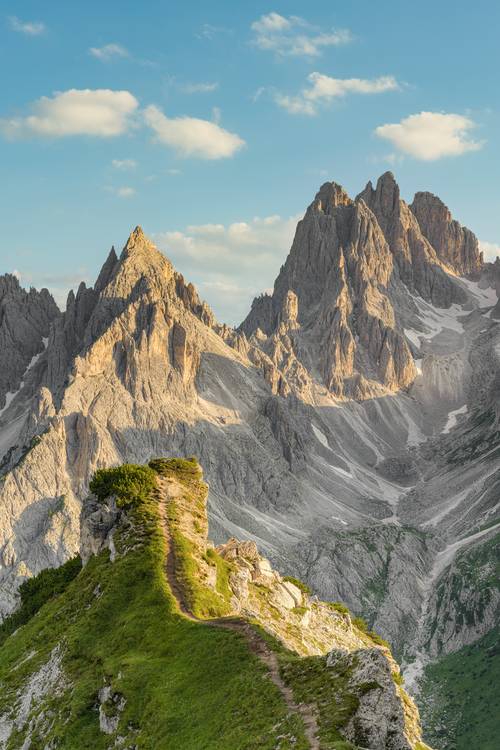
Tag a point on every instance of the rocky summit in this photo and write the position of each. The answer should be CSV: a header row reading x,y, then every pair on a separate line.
x,y
348,431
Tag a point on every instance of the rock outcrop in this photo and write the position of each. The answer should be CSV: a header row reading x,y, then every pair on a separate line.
x,y
25,321
454,244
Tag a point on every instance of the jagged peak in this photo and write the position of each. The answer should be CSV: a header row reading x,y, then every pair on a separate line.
x,y
137,241
330,195
424,199
388,188
106,270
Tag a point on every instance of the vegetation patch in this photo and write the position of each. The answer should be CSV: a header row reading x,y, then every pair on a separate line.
x,y
130,483
326,688
339,607
459,697
298,583
36,591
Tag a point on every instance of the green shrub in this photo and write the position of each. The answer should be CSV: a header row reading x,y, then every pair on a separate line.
x,y
297,582
132,484
376,638
185,467
398,678
36,591
339,607
360,624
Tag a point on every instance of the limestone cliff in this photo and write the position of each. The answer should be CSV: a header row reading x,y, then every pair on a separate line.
x,y
25,319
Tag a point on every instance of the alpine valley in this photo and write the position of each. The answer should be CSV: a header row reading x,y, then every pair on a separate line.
x,y
349,435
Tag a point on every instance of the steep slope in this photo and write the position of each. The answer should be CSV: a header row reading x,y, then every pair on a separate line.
x,y
457,246
110,659
25,319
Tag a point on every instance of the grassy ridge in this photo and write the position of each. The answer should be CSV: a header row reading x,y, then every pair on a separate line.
x,y
186,685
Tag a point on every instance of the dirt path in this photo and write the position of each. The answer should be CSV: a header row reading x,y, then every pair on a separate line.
x,y
256,644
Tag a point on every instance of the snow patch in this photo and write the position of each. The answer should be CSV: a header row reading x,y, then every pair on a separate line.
x,y
485,297
452,418
10,395
320,436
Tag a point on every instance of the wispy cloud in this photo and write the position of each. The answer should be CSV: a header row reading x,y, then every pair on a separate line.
x,y
190,136
293,36
124,163
199,88
124,191
323,89
109,52
208,31
30,28
431,135
95,112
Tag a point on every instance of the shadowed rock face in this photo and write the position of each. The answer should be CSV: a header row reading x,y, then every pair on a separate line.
x,y
25,319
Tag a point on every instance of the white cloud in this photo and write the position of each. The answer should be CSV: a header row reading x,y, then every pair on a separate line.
x,y
323,89
231,263
124,163
97,112
17,274
431,135
121,192
108,52
490,249
30,28
199,88
174,172
293,36
190,136
125,192
208,31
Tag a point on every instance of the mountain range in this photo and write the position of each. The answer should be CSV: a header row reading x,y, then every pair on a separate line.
x,y
349,426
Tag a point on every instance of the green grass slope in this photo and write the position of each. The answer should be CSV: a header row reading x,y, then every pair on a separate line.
x,y
460,697
185,685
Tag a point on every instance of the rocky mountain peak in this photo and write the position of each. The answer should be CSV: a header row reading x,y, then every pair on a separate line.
x,y
137,241
454,244
384,200
334,286
330,196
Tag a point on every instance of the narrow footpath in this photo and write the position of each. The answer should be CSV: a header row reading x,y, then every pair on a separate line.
x,y
256,644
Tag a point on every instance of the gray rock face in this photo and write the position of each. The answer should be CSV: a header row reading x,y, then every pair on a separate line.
x,y
379,722
25,321
420,265
332,303
457,246
97,523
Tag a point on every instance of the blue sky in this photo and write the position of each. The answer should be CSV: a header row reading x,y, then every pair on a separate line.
x,y
213,124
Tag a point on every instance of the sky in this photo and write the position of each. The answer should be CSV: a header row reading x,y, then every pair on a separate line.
x,y
213,125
